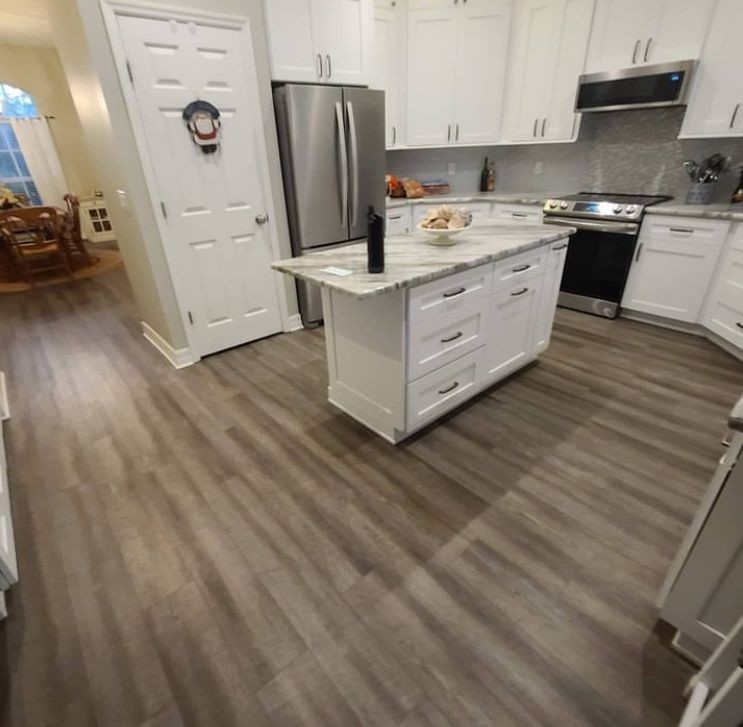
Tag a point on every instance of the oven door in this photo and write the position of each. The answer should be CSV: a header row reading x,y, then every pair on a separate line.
x,y
597,264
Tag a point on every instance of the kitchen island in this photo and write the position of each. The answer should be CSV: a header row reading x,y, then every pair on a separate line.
x,y
439,325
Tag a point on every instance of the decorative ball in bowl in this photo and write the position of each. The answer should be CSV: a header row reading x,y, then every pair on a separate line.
x,y
443,223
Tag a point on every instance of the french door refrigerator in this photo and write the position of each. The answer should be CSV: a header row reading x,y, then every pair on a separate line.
x,y
331,140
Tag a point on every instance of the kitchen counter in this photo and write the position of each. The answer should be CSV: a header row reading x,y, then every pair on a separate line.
x,y
735,420
530,198
411,260
733,212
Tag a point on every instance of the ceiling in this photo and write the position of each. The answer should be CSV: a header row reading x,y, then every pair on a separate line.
x,y
25,22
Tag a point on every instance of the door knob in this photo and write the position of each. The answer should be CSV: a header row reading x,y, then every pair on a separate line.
x,y
261,219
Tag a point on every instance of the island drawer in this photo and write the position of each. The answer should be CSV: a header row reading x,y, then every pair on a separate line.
x,y
432,395
438,340
449,294
519,268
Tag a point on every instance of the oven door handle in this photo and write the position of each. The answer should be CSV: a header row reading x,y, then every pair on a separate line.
x,y
619,228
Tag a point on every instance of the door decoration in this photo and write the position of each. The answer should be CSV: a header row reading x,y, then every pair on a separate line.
x,y
202,120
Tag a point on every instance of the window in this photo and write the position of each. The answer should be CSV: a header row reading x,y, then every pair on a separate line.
x,y
14,174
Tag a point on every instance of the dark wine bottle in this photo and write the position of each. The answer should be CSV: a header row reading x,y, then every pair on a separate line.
x,y
484,175
375,241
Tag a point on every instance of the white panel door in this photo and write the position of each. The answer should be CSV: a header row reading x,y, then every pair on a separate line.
x,y
346,39
680,33
484,32
219,251
432,64
292,42
385,66
716,102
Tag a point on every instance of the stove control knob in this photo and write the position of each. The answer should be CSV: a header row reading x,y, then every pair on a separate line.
x,y
631,209
563,205
552,204
618,209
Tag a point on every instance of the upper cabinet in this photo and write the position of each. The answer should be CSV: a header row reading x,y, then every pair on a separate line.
x,y
548,54
320,41
716,101
641,32
457,55
388,65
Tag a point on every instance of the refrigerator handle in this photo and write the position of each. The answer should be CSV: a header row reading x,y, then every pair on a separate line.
x,y
354,175
343,158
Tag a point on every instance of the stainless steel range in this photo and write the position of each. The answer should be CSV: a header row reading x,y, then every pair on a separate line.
x,y
600,253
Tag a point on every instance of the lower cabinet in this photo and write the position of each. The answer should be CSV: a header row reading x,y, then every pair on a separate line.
x,y
724,312
399,220
550,291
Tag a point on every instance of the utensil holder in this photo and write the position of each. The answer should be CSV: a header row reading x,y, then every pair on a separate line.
x,y
700,193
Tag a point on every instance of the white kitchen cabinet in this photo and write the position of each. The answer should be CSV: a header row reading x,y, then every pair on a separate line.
x,y
457,56
724,311
399,220
320,41
554,266
642,32
716,101
388,65
547,56
526,214
673,265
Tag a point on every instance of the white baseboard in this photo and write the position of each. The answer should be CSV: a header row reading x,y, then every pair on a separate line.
x,y
293,323
178,357
4,406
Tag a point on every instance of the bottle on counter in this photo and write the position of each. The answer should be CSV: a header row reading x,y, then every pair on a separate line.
x,y
491,177
484,175
374,241
737,197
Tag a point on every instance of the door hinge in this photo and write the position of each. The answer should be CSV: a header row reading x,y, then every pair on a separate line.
x,y
165,211
129,71
190,317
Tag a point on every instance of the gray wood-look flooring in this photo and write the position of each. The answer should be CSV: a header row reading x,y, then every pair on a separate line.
x,y
218,546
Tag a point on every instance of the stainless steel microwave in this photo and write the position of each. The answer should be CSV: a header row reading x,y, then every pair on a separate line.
x,y
639,87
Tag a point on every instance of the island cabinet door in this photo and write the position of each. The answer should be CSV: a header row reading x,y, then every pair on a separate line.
x,y
550,291
511,328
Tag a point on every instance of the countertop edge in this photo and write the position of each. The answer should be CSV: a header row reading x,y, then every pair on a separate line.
x,y
710,212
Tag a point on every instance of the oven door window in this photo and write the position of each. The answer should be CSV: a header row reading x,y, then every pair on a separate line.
x,y
597,264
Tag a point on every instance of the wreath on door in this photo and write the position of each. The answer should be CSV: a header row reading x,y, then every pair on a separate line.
x,y
202,120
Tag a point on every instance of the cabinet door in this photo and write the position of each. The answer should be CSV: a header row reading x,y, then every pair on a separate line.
x,y
293,47
619,33
680,33
387,59
716,102
573,32
484,28
8,561
530,74
511,328
398,221
346,39
432,64
670,277
550,290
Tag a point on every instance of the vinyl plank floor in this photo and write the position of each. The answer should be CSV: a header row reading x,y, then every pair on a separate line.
x,y
218,546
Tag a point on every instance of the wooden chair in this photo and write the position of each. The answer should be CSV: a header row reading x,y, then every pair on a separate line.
x,y
74,233
31,249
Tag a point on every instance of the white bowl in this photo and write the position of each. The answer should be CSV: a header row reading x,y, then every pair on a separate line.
x,y
441,237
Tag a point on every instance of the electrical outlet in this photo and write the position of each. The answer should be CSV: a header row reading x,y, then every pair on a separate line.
x,y
451,168
538,168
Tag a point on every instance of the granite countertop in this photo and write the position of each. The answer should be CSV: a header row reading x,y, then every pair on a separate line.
x,y
534,198
735,420
732,212
410,260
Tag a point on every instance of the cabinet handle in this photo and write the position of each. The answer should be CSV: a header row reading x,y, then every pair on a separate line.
x,y
520,268
453,293
544,126
330,68
735,113
682,230
519,215
520,292
394,135
739,324
534,130
639,250
457,335
448,132
634,52
647,50
456,138
447,389
319,66
560,247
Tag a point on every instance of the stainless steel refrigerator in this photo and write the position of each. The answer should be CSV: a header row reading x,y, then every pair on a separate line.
x,y
331,140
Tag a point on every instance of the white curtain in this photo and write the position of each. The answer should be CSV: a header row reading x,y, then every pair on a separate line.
x,y
37,145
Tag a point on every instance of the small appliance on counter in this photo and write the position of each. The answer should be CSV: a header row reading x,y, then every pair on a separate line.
x,y
600,252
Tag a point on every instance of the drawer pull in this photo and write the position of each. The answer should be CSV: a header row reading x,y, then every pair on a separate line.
x,y
521,215
520,292
739,324
392,218
453,293
682,230
447,389
520,268
457,335
639,250
560,247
